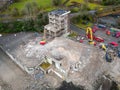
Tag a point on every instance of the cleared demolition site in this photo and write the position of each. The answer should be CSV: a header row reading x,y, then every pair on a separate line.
x,y
54,57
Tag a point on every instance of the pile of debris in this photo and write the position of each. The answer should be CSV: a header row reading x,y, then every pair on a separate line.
x,y
69,60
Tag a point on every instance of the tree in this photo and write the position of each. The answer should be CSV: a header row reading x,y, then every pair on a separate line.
x,y
28,8
23,12
31,9
35,9
84,7
110,2
41,20
56,2
29,25
15,12
16,0
2,27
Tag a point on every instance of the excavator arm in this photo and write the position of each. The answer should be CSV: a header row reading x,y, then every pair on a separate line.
x,y
89,33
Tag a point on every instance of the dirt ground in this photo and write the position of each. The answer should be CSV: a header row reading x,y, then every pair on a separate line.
x,y
12,77
30,52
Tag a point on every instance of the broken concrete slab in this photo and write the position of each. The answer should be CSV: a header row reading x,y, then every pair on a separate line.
x,y
76,62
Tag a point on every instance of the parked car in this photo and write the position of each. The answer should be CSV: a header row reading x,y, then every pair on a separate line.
x,y
108,32
94,28
117,34
114,34
99,39
113,45
101,26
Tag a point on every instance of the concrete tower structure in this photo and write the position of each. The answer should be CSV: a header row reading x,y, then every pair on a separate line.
x,y
58,23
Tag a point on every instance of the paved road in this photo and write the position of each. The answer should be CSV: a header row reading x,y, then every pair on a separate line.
x,y
11,41
11,74
77,29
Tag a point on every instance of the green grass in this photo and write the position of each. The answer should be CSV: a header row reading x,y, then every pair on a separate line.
x,y
76,9
63,1
72,34
47,4
91,5
94,6
41,3
84,26
79,1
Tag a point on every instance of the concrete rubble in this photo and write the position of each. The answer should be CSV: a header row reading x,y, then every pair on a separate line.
x,y
82,64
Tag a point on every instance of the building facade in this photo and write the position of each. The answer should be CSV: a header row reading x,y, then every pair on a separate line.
x,y
58,23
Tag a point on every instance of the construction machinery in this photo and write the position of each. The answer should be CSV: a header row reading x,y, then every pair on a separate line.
x,y
102,46
110,55
92,37
89,34
43,42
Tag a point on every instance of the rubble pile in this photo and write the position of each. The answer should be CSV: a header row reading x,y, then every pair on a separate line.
x,y
82,63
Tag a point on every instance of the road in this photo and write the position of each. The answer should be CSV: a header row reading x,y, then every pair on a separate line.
x,y
12,41
77,29
11,74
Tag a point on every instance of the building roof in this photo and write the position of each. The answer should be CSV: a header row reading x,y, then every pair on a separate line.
x,y
58,12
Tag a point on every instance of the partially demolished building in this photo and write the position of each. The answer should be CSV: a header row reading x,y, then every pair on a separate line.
x,y
58,23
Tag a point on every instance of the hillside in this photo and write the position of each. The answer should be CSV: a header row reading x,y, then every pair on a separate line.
x,y
20,5
48,4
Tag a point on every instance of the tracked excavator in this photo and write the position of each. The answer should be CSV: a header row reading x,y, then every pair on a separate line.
x,y
112,53
89,34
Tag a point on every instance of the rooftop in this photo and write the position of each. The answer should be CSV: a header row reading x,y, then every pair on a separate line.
x,y
58,12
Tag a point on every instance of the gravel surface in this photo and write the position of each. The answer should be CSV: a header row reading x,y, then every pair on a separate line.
x,y
11,77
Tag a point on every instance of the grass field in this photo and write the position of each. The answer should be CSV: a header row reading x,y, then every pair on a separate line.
x,y
47,4
79,1
41,3
91,5
84,26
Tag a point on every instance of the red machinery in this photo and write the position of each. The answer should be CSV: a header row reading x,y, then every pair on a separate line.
x,y
42,42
